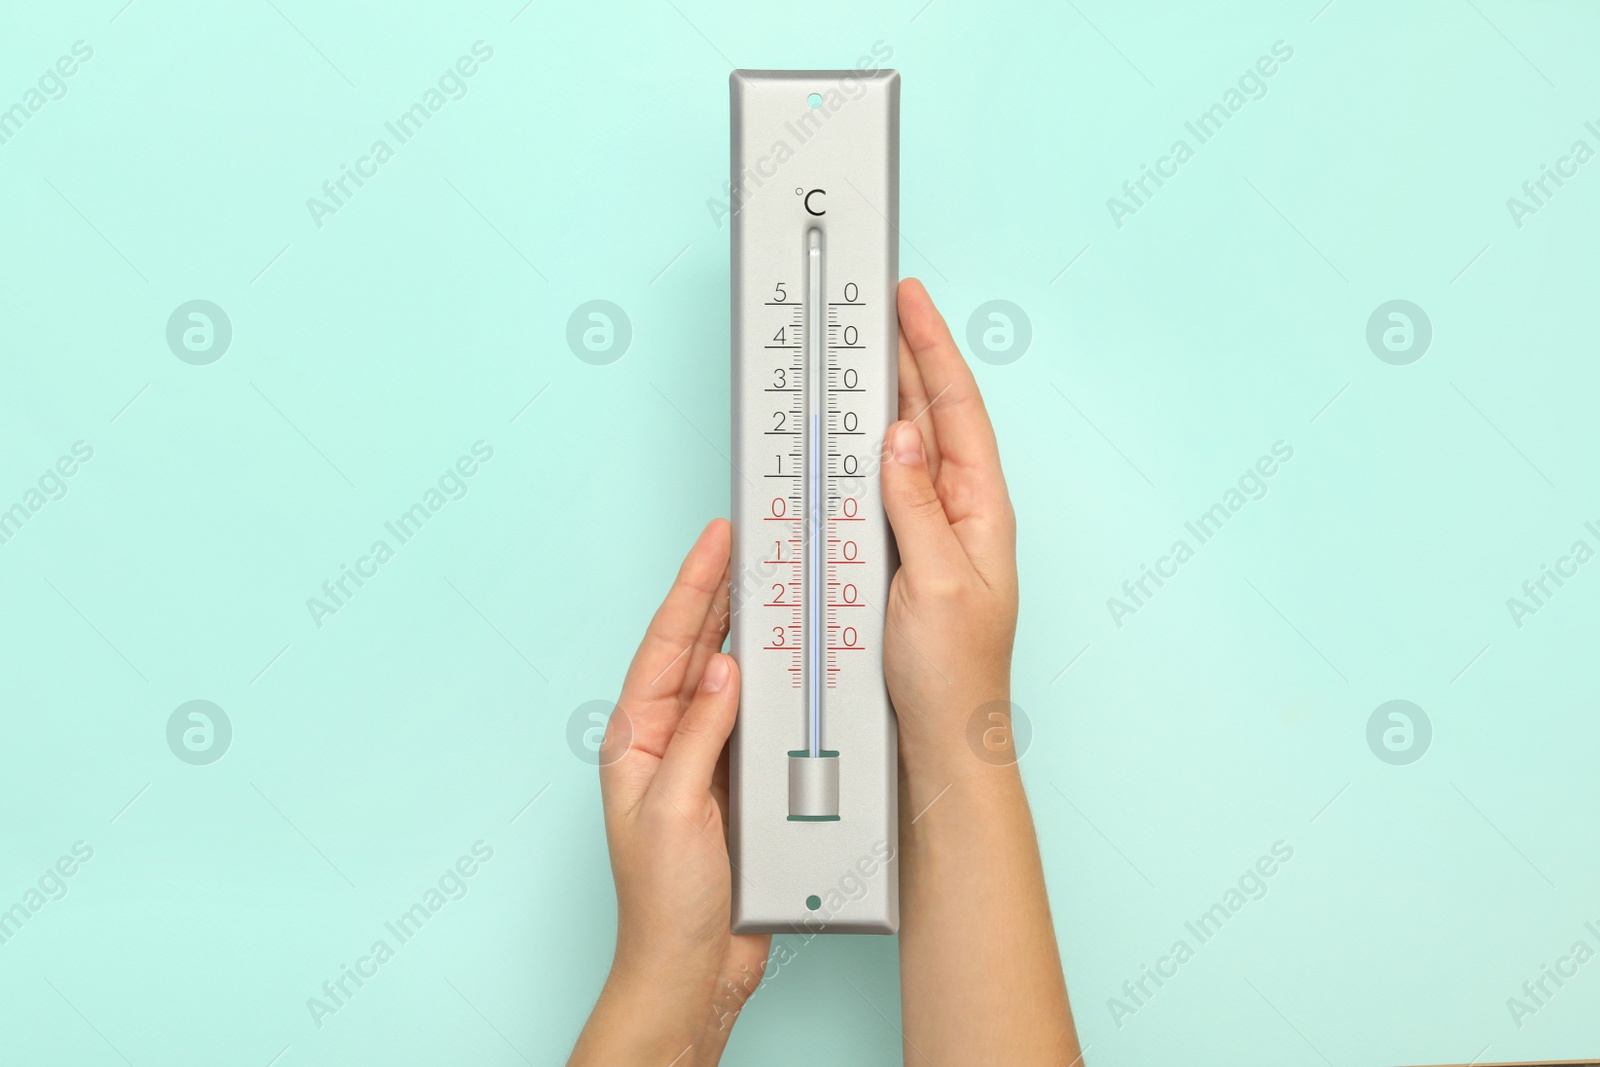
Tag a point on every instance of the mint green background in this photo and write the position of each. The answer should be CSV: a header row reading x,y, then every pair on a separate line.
x,y
371,753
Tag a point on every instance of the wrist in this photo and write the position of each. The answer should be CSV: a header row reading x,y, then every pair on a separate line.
x,y
962,738
646,1017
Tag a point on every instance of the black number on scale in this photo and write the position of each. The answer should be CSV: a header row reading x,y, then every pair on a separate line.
x,y
850,378
778,337
781,379
850,335
777,426
850,421
850,292
779,295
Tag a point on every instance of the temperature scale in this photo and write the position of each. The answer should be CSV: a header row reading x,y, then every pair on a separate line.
x,y
813,782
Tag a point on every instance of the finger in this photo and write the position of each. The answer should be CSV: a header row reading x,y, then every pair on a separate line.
x,y
657,673
691,759
649,707
961,423
914,405
713,632
971,485
921,529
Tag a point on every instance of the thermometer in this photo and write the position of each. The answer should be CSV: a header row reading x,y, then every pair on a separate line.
x,y
813,778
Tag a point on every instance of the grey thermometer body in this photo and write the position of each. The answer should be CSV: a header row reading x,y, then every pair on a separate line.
x,y
813,766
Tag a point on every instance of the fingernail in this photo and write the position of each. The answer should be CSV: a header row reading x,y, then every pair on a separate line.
x,y
716,675
907,444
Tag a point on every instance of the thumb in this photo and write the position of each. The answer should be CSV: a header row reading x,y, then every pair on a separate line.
x,y
691,756
921,529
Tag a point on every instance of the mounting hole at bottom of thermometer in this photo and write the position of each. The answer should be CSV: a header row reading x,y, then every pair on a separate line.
x,y
813,786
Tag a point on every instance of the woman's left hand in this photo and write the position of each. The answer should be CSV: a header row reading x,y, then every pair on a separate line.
x,y
679,977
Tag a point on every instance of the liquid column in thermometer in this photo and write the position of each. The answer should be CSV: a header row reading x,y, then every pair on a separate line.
x,y
813,592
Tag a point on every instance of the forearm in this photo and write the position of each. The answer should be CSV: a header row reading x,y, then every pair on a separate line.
x,y
981,977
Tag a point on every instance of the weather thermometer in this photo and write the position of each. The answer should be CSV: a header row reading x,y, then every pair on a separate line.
x,y
816,175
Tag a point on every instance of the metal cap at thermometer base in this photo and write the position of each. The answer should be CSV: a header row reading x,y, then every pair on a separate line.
x,y
813,787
